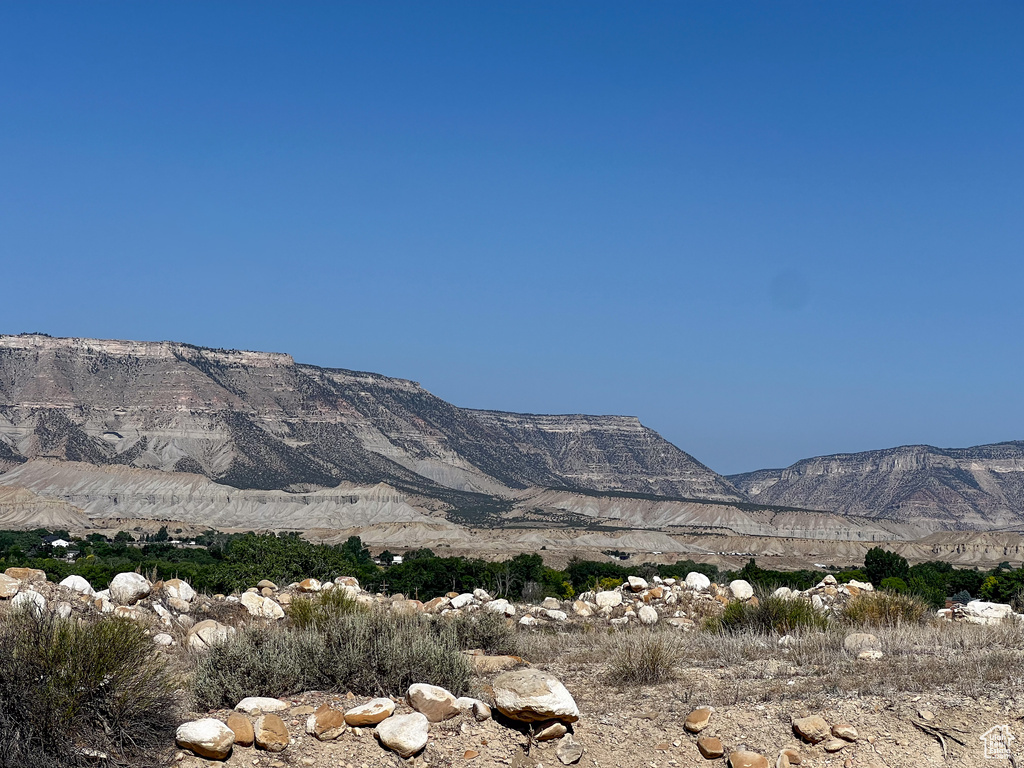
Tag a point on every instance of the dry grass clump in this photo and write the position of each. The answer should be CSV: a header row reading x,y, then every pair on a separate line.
x,y
68,690
768,614
644,657
370,652
884,609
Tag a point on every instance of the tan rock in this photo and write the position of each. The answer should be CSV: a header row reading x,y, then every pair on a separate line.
x,y
698,720
241,726
710,748
404,734
555,730
569,751
834,745
207,633
326,724
845,731
26,575
370,713
745,759
530,695
487,664
271,733
260,705
792,754
813,729
9,586
433,701
310,585
207,737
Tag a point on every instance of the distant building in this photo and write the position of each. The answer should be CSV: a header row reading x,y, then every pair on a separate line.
x,y
56,541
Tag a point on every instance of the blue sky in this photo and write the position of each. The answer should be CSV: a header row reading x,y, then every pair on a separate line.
x,y
769,230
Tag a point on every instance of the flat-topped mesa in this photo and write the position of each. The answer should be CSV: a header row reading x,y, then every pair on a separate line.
x,y
570,422
159,350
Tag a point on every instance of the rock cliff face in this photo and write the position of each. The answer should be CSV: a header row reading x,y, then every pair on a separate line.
x,y
966,488
256,420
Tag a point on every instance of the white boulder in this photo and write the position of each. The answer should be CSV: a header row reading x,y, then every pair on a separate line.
x,y
129,588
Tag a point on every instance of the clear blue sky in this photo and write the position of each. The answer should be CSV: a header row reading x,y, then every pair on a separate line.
x,y
769,230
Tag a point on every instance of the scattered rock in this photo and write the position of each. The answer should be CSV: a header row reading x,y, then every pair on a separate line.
x,y
741,590
608,599
404,734
648,616
129,588
207,633
813,729
271,733
182,590
697,581
710,748
163,639
637,584
29,600
745,759
371,713
856,643
845,731
26,575
207,738
326,724
530,695
569,751
834,745
555,730
240,725
502,606
698,719
8,586
434,702
78,584
253,704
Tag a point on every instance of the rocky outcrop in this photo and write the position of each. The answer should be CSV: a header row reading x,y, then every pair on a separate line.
x,y
258,420
948,489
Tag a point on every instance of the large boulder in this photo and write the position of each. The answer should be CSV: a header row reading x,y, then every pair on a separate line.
x,y
697,581
608,599
261,607
207,633
29,600
9,586
501,606
404,734
208,738
648,615
180,590
261,704
78,584
434,702
271,733
981,612
530,695
637,584
129,588
741,589
241,726
370,713
26,575
326,724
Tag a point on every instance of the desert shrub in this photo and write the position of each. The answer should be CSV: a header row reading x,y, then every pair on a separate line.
x,y
769,614
484,630
884,609
608,583
368,652
319,611
66,688
644,657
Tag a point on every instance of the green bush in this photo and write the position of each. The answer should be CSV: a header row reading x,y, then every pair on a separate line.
x,y
644,657
319,611
884,609
369,652
770,614
68,688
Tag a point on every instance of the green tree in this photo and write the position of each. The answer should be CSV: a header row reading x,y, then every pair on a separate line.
x,y
880,564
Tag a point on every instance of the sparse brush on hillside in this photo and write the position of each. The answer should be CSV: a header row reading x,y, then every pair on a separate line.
x,y
337,647
769,614
884,609
67,689
644,657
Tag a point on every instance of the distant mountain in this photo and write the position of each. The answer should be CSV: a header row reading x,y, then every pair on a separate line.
x,y
260,421
961,488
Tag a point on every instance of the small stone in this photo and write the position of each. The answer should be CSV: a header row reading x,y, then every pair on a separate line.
x,y
845,731
404,734
925,714
433,701
698,720
326,723
242,728
555,730
207,737
745,759
834,745
370,713
569,751
710,748
813,729
792,754
271,733
252,704
856,643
